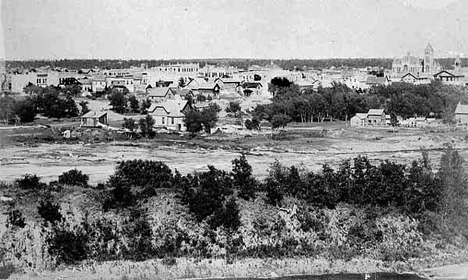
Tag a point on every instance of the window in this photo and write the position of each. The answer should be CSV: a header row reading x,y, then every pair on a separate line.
x,y
172,120
163,120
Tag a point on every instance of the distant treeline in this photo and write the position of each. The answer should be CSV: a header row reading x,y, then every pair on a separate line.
x,y
290,64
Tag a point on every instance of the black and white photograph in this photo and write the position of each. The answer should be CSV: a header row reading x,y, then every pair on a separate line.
x,y
234,139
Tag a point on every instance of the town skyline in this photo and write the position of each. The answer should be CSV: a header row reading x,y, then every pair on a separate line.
x,y
200,30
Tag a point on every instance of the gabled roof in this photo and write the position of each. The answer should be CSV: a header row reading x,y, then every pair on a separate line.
x,y
158,91
94,114
461,109
362,116
409,74
195,82
375,112
251,85
227,80
173,107
447,73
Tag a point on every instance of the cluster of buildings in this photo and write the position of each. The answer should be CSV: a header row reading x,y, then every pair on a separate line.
x,y
208,79
378,117
416,70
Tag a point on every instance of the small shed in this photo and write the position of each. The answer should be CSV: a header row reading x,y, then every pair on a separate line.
x,y
359,119
93,119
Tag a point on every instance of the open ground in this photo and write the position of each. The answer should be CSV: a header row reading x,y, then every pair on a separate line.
x,y
310,148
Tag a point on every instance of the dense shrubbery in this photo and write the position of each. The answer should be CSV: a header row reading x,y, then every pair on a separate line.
x,y
206,195
74,177
413,190
30,182
360,209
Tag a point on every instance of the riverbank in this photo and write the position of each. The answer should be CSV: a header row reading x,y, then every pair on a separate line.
x,y
453,272
219,269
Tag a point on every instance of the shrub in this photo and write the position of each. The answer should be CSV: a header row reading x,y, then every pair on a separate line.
x,y
227,216
74,177
68,246
252,124
243,179
30,182
138,231
50,212
120,194
233,107
16,219
147,174
205,195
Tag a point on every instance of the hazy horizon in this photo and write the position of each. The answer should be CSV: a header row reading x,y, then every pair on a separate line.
x,y
246,29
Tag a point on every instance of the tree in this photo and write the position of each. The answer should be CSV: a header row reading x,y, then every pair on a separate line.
x,y
131,126
146,126
25,110
233,107
118,101
84,107
455,191
394,120
193,121
181,82
280,120
200,98
209,116
72,90
145,104
252,124
242,178
54,104
31,89
134,106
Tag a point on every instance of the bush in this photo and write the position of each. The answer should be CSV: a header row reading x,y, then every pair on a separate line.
x,y
147,174
233,107
252,124
227,216
30,182
50,212
74,177
16,219
68,246
243,179
120,195
205,195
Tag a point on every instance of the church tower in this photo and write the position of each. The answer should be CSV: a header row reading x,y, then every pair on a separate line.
x,y
428,59
457,65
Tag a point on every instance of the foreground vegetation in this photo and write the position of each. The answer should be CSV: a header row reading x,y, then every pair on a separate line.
x,y
390,213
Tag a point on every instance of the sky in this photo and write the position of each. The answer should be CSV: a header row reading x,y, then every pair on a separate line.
x,y
178,29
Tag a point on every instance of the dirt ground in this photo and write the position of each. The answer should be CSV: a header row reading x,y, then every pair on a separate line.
x,y
48,160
